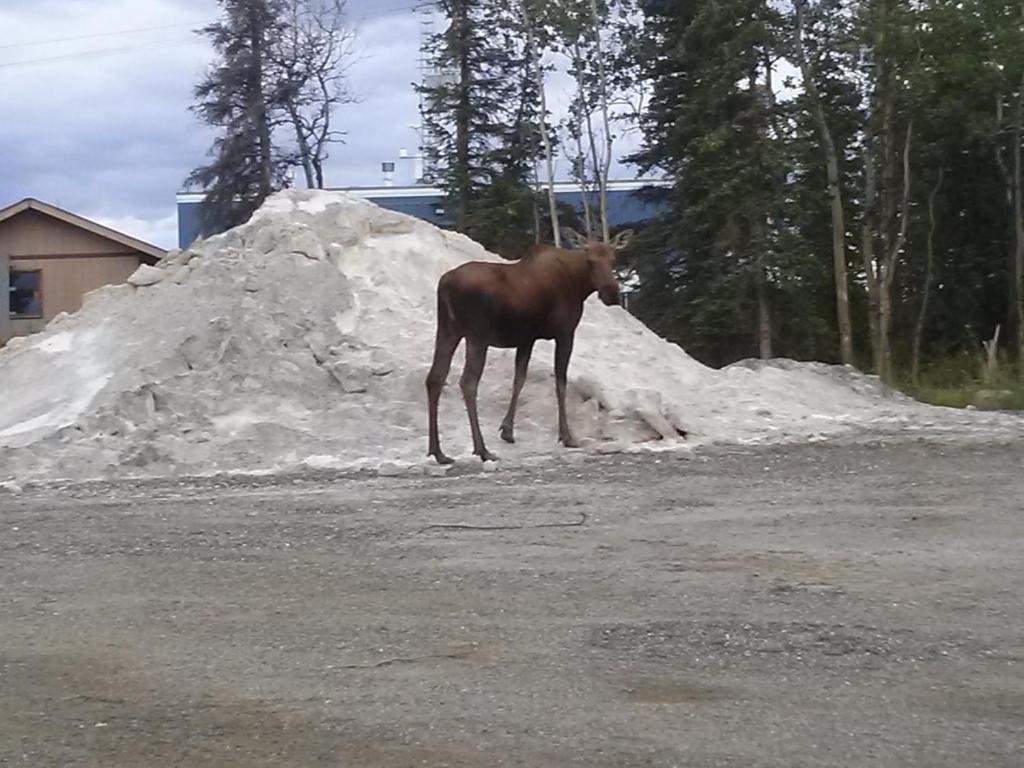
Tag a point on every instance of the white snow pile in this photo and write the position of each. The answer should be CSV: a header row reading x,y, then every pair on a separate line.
x,y
303,337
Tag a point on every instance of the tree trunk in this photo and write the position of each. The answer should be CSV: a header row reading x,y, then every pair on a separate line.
x,y
764,316
884,330
323,136
584,120
461,24
1011,287
890,241
922,315
1018,223
835,196
887,274
305,155
289,63
595,158
889,159
602,95
758,238
260,115
536,216
872,222
538,73
867,250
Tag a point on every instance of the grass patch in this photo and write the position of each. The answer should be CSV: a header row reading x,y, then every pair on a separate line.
x,y
956,383
982,398
951,397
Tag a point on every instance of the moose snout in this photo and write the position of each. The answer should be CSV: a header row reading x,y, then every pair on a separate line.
x,y
609,295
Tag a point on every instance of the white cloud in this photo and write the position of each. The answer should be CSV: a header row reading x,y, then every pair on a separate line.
x,y
382,76
110,136
102,135
162,233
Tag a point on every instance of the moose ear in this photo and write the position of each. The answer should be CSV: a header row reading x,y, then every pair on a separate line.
x,y
574,238
622,239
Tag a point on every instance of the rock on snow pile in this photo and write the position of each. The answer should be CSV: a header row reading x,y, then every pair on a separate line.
x,y
303,338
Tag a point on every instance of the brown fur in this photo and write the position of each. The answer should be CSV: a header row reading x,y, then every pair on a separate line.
x,y
512,305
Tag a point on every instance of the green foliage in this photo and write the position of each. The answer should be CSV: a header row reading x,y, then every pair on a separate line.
x,y
279,65
712,124
742,261
956,382
234,96
482,111
751,195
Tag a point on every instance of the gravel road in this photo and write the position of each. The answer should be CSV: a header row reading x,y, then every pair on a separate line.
x,y
800,606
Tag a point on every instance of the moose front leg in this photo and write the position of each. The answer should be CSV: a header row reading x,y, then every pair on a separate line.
x,y
522,363
563,351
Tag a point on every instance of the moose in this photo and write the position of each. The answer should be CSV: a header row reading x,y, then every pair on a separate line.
x,y
488,304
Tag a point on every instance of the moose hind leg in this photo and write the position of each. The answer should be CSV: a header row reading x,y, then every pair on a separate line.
x,y
476,357
522,363
444,349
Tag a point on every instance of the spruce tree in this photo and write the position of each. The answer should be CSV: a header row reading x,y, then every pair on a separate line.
x,y
235,97
481,109
708,271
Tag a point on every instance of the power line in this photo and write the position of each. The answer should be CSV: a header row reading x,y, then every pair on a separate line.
x,y
94,35
95,53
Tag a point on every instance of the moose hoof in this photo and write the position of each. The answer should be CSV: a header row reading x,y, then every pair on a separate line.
x,y
442,459
486,455
507,435
570,442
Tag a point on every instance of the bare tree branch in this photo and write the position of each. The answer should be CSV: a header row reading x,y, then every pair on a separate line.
x,y
311,69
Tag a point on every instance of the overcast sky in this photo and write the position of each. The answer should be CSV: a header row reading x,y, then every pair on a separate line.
x,y
94,98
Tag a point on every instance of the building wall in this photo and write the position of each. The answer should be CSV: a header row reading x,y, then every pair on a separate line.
x,y
188,221
625,206
422,206
65,280
71,261
5,296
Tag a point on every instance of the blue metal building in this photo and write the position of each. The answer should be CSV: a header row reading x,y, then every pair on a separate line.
x,y
625,206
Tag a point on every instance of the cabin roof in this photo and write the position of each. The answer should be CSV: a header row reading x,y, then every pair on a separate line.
x,y
30,203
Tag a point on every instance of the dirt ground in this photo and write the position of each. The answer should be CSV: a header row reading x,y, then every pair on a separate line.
x,y
808,606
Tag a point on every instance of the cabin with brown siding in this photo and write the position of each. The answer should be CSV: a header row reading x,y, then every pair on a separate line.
x,y
50,258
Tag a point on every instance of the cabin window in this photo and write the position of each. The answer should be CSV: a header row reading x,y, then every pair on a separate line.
x,y
26,294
